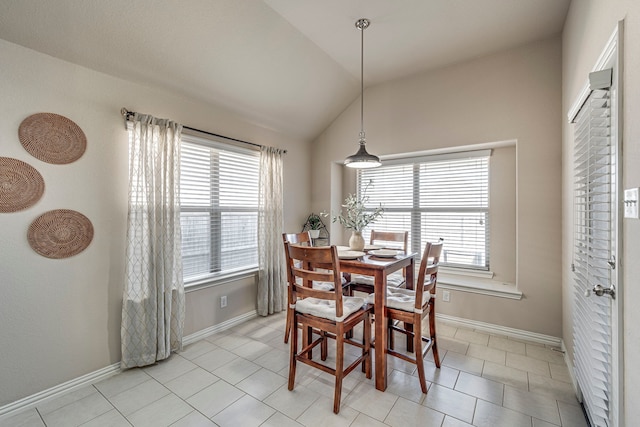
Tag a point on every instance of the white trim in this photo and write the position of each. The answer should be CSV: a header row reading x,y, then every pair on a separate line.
x,y
478,285
447,150
210,282
612,55
485,274
204,333
450,155
617,312
501,330
50,393
603,59
568,360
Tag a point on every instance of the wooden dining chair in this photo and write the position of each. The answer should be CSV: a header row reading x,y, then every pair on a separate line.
x,y
387,240
328,312
411,306
304,239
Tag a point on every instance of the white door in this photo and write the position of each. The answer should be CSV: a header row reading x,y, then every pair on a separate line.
x,y
597,239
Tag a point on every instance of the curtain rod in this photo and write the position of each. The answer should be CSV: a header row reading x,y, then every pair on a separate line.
x,y
128,114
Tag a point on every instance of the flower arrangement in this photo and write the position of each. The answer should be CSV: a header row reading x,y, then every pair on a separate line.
x,y
356,217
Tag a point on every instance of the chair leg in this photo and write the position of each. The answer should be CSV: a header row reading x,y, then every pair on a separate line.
x,y
324,346
287,328
409,328
392,340
293,352
434,341
367,346
339,370
417,344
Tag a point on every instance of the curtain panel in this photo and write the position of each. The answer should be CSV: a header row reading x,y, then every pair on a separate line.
x,y
153,300
272,290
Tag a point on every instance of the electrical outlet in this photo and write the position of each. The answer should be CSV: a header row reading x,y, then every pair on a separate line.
x,y
446,296
223,301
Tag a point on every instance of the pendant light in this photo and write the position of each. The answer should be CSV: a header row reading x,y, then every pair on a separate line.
x,y
362,159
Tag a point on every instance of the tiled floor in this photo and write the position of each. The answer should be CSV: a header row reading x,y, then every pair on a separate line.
x,y
238,378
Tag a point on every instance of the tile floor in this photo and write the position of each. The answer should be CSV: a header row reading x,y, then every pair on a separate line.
x,y
239,378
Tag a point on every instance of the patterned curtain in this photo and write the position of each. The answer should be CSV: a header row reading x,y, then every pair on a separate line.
x,y
153,301
272,289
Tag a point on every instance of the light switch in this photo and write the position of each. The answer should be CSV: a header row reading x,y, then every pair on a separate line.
x,y
631,203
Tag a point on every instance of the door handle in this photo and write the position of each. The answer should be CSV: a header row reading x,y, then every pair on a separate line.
x,y
600,291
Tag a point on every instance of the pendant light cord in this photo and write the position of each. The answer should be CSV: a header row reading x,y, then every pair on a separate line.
x,y
362,24
362,82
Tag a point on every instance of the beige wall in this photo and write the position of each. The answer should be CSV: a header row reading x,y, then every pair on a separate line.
x,y
589,25
60,319
514,95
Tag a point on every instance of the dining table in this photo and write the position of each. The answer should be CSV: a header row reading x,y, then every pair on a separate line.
x,y
379,267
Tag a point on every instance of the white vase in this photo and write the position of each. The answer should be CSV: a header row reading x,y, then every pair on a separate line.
x,y
314,234
356,241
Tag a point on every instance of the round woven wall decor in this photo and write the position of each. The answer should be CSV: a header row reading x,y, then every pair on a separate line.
x,y
60,233
52,138
21,185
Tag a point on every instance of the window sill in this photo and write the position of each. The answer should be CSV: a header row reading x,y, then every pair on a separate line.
x,y
477,284
209,282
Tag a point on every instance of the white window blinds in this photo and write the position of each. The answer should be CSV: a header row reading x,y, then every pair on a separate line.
x,y
593,238
219,208
435,197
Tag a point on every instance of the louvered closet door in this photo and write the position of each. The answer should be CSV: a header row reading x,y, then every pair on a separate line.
x,y
594,246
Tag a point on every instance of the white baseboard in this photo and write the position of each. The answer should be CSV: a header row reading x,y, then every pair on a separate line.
x,y
50,393
204,333
29,402
501,330
572,375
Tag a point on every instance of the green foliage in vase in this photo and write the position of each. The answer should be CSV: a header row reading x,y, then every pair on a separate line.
x,y
314,221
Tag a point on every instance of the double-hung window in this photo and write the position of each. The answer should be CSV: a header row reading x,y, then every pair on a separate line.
x,y
442,196
218,208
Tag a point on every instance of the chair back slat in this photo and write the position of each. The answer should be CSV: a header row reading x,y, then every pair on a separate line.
x,y
390,239
311,275
298,238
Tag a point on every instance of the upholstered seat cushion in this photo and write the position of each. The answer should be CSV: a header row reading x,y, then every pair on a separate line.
x,y
401,299
394,280
322,286
327,309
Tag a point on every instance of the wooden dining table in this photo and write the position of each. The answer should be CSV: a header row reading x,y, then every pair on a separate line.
x,y
379,268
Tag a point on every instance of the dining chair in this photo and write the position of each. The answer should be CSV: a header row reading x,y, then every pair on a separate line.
x,y
303,238
386,240
408,307
328,312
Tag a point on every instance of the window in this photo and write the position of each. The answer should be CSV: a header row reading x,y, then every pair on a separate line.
x,y
442,196
594,238
219,208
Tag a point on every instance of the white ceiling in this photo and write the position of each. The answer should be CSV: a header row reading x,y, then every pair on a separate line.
x,y
290,65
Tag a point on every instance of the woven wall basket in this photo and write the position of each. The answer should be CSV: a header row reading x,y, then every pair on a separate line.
x,y
52,138
60,233
21,186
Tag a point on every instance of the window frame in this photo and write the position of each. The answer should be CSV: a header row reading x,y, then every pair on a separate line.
x,y
416,211
217,275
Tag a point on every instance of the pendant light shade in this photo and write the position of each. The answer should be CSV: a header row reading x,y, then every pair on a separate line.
x,y
362,159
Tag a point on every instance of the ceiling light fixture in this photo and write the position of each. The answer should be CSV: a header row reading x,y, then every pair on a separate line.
x,y
362,159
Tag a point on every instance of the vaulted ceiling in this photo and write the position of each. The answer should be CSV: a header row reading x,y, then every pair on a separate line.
x,y
290,65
